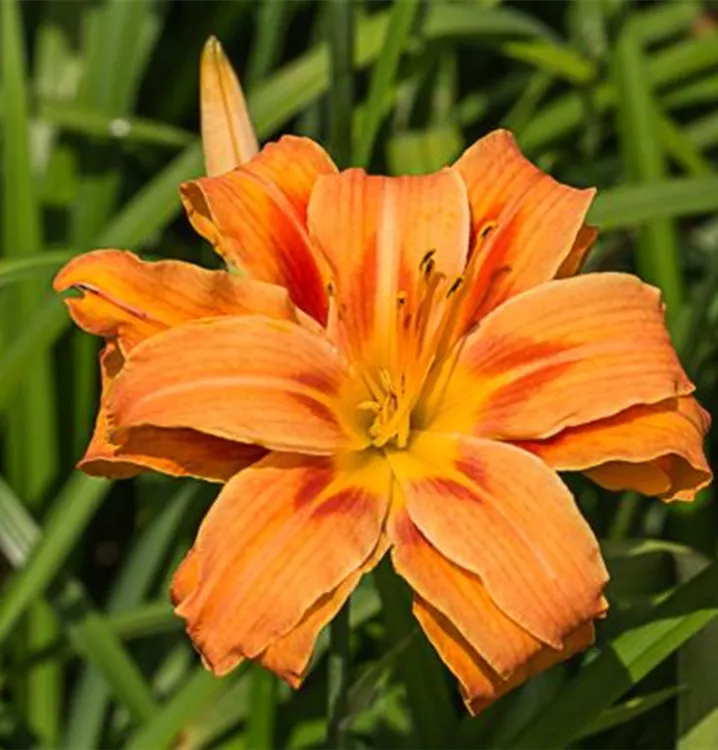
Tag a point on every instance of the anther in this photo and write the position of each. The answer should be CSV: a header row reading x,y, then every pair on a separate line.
x,y
401,298
458,281
428,255
487,229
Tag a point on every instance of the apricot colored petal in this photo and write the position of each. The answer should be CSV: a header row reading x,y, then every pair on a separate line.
x,y
281,535
177,452
289,656
383,238
228,137
458,594
502,514
255,217
563,354
656,449
480,685
131,299
535,221
249,379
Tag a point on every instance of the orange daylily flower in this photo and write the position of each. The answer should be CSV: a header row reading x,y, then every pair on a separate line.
x,y
404,367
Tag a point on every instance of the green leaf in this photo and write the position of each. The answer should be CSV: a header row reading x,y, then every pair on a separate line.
x,y
86,629
418,665
383,77
657,243
42,330
630,710
16,269
633,205
66,521
622,663
198,691
91,696
94,123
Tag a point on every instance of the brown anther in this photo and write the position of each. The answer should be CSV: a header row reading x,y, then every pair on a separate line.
x,y
487,229
458,281
401,298
330,288
428,255
429,268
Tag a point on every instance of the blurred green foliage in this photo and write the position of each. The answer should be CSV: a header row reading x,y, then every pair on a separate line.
x,y
98,122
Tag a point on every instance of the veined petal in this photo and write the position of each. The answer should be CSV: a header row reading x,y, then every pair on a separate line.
x,y
131,299
255,216
480,685
656,450
458,594
281,535
228,137
391,244
249,379
177,452
534,222
289,656
563,354
502,514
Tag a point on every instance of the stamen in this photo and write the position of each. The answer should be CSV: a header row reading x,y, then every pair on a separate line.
x,y
428,255
458,281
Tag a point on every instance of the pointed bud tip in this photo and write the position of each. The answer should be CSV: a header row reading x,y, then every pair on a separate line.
x,y
228,136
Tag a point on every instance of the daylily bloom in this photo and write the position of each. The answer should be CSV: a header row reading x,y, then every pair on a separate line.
x,y
404,366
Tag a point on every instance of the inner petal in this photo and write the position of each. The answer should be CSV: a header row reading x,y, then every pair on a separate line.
x,y
396,247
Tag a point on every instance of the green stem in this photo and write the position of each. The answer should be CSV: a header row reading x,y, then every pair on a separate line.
x,y
339,661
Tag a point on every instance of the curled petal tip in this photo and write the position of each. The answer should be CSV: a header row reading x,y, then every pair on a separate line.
x,y
228,137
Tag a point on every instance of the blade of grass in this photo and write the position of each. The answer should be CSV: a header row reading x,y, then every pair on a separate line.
x,y
418,665
90,698
200,689
668,66
383,77
85,628
657,249
632,205
16,269
262,709
66,521
622,663
630,710
93,123
270,31
31,448
44,328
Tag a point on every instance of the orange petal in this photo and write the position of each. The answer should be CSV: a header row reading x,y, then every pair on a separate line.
x,y
249,379
289,656
458,594
535,222
125,297
228,137
563,354
255,216
502,514
176,452
480,685
656,450
386,239
281,535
